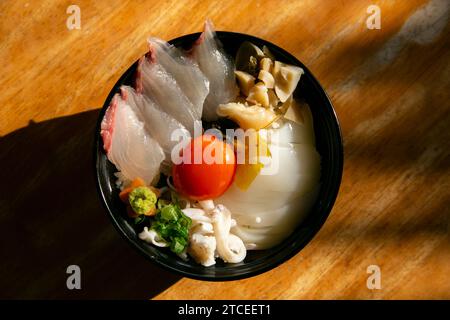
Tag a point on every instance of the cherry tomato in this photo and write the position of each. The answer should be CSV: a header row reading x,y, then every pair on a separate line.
x,y
211,175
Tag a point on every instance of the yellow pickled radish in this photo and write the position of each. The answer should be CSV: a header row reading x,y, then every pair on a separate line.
x,y
248,171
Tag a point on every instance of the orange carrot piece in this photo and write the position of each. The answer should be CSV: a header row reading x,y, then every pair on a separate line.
x,y
152,212
138,182
123,195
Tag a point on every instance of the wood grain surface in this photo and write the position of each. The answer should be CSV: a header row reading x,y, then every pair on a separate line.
x,y
390,88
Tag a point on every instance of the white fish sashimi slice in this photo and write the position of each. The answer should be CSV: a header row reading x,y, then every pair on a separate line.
x,y
126,142
159,124
184,70
173,81
155,82
218,68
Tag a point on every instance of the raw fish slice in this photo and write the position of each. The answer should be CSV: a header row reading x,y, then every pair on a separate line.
x,y
159,124
157,83
184,70
218,68
127,144
156,78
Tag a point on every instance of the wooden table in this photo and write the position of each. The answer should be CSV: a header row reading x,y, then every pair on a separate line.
x,y
390,88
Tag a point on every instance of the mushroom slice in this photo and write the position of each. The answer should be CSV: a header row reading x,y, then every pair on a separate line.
x,y
247,58
284,107
273,99
258,95
267,52
255,116
293,111
266,64
267,78
286,79
276,68
246,81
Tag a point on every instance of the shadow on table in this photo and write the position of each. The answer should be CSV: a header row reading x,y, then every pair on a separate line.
x,y
51,217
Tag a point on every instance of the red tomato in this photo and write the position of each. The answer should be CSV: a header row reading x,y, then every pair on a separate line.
x,y
211,177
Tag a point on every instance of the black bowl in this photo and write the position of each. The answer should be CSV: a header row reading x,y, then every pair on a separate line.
x,y
329,146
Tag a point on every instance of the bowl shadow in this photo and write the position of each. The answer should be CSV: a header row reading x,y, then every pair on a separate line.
x,y
51,217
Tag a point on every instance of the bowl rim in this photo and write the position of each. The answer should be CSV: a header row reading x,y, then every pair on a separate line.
x,y
270,265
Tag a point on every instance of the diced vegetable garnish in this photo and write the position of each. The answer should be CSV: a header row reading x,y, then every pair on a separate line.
x,y
168,213
143,200
172,225
251,63
258,95
286,79
245,80
266,64
267,78
138,182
